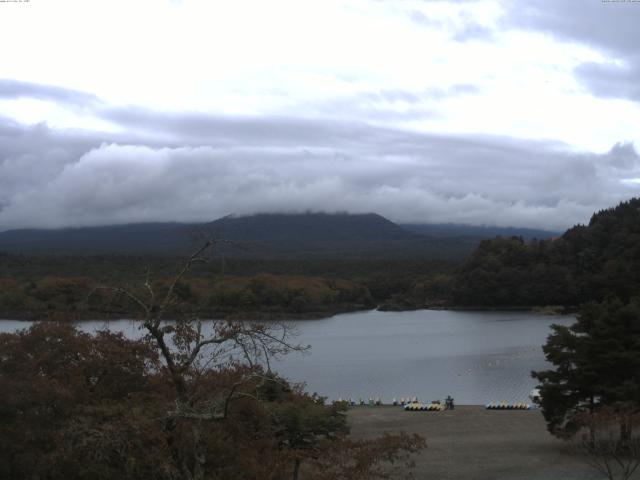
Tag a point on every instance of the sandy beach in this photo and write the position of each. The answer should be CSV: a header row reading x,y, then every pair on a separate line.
x,y
471,442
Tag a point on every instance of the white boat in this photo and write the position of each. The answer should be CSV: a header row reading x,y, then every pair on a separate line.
x,y
535,396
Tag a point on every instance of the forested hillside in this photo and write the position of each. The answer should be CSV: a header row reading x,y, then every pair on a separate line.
x,y
480,232
586,263
49,286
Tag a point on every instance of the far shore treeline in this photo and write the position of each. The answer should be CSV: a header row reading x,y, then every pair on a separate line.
x,y
586,263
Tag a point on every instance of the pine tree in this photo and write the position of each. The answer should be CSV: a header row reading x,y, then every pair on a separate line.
x,y
597,363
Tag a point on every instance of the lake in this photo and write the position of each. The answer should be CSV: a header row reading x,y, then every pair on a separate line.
x,y
476,357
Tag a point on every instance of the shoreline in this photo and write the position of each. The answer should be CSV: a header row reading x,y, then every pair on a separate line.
x,y
543,311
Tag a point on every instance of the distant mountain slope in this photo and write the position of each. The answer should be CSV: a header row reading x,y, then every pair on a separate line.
x,y
267,235
309,227
319,235
449,230
586,263
309,235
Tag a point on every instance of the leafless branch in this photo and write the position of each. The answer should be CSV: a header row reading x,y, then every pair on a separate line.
x,y
128,294
611,442
183,343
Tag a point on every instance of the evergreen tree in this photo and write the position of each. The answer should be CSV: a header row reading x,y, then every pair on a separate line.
x,y
586,263
597,363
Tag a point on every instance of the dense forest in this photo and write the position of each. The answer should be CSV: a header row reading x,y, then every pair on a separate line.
x,y
263,266
584,264
40,287
587,263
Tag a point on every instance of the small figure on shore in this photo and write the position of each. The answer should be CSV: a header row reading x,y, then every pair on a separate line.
x,y
402,402
351,402
449,402
361,401
394,402
378,401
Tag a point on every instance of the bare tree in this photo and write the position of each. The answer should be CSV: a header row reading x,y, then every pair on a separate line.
x,y
610,440
190,348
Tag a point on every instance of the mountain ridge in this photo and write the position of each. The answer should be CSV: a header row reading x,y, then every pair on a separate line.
x,y
260,235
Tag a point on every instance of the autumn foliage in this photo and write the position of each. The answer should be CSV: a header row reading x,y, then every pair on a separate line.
x,y
101,406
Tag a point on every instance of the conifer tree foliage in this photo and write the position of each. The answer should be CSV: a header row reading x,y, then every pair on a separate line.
x,y
587,263
596,364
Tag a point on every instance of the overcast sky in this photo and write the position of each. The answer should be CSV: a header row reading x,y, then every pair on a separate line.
x,y
495,112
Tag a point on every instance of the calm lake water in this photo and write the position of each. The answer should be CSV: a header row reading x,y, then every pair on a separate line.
x,y
477,357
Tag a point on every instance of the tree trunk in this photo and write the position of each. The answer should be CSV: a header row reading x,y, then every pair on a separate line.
x,y
592,427
625,435
199,454
296,468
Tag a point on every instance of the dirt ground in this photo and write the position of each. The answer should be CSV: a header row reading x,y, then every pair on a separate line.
x,y
471,442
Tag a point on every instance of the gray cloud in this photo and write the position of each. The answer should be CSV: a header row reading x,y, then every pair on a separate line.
x,y
421,19
10,89
394,96
387,106
611,80
624,156
191,167
220,131
611,27
473,31
467,31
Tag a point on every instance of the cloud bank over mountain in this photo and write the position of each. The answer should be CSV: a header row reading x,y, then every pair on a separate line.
x,y
475,111
210,166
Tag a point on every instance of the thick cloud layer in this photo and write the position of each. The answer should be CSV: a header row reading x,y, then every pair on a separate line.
x,y
244,165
